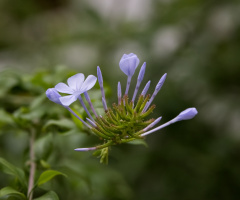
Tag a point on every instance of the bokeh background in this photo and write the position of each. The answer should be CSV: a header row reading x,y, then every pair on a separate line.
x,y
196,42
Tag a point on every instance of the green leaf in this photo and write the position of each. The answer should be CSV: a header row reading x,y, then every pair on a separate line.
x,y
62,123
48,175
45,164
48,196
10,192
10,169
138,142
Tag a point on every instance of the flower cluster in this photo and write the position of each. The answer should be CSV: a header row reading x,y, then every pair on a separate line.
x,y
127,120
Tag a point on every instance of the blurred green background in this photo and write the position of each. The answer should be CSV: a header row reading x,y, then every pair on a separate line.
x,y
196,42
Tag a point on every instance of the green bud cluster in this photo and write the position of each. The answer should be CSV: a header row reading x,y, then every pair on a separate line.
x,y
124,122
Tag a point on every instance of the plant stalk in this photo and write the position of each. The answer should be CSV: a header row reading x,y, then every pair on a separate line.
x,y
32,165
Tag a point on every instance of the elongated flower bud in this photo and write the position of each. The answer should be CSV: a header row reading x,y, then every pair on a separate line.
x,y
86,149
152,124
91,122
100,81
187,114
84,107
142,72
90,103
139,80
144,92
160,83
184,115
157,89
104,104
99,74
119,93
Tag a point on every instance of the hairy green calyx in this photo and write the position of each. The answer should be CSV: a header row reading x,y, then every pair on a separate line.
x,y
124,121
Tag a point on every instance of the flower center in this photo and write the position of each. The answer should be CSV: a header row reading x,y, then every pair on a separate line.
x,y
76,93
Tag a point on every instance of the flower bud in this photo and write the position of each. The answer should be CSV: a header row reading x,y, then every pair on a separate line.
x,y
119,93
142,72
160,83
144,92
129,63
53,95
187,114
99,74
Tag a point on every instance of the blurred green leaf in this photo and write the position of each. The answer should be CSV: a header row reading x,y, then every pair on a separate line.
x,y
5,118
43,146
38,101
10,169
8,79
48,196
48,175
25,116
45,164
62,123
8,192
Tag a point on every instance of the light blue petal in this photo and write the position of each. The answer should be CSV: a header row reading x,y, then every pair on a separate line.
x,y
88,83
75,82
67,100
128,55
62,87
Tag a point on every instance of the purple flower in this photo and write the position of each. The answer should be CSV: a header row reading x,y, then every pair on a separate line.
x,y
126,120
129,63
76,86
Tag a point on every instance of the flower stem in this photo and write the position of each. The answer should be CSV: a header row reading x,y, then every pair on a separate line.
x,y
128,84
32,165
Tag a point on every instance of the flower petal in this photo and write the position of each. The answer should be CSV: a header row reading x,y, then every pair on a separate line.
x,y
75,82
67,100
128,55
62,87
88,83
